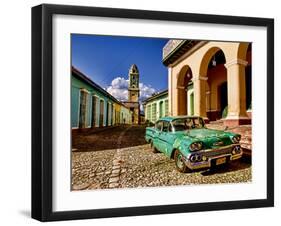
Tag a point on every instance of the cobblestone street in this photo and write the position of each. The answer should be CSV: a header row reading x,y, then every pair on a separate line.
x,y
129,165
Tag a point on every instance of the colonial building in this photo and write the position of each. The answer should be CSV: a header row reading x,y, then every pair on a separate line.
x,y
92,106
133,94
156,106
210,79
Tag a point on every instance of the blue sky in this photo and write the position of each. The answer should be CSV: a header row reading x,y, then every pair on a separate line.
x,y
107,59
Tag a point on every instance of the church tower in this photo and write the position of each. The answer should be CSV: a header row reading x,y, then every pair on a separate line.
x,y
133,94
133,90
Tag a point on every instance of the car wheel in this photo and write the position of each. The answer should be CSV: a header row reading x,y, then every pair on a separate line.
x,y
154,150
180,165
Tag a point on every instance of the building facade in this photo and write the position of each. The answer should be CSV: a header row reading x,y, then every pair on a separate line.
x,y
156,106
142,118
210,79
133,94
92,106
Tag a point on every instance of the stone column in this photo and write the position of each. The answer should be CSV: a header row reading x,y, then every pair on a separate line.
x,y
199,84
208,102
236,93
170,92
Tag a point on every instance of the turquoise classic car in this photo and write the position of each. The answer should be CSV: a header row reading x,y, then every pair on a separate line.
x,y
191,144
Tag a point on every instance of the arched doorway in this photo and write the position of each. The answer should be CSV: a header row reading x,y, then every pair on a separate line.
x,y
216,87
184,78
191,104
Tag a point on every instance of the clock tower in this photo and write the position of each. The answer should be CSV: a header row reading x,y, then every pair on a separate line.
x,y
133,94
133,90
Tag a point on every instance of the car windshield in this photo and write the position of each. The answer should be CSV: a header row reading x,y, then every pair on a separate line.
x,y
182,124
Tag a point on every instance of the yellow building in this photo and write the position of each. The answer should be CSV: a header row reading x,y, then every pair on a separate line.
x,y
209,79
116,113
121,114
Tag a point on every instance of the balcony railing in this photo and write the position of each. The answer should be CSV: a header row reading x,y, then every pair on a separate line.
x,y
171,46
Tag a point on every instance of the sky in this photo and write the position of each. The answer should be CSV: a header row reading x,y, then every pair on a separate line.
x,y
107,59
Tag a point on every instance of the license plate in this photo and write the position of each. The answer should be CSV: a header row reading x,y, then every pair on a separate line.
x,y
220,161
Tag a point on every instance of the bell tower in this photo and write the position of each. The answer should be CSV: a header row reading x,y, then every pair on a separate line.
x,y
133,90
133,94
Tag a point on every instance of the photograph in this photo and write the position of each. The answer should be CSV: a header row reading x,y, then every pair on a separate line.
x,y
146,112
154,112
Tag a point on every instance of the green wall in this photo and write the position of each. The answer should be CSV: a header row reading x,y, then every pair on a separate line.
x,y
156,108
76,85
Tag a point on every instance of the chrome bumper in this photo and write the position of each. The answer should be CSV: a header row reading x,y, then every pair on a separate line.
x,y
208,163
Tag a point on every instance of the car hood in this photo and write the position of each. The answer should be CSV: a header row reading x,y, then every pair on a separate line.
x,y
205,133
210,138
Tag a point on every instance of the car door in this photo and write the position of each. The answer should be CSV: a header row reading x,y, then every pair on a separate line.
x,y
156,140
166,138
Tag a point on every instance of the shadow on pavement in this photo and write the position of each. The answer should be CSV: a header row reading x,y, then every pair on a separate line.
x,y
240,164
108,138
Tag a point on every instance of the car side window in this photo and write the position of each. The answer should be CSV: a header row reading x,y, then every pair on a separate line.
x,y
158,125
165,126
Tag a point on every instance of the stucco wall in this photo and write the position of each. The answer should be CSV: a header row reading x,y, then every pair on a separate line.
x,y
205,81
76,86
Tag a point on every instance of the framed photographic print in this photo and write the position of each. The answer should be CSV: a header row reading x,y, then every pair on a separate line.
x,y
146,112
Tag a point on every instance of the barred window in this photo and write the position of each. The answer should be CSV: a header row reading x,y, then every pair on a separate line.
x,y
166,108
94,111
83,109
149,112
154,112
161,109
101,112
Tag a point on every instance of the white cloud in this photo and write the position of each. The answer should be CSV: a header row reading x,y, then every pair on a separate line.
x,y
119,83
119,89
145,91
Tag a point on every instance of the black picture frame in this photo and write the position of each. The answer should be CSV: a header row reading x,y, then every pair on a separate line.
x,y
42,111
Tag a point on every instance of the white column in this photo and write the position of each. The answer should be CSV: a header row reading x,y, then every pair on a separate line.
x,y
170,91
236,89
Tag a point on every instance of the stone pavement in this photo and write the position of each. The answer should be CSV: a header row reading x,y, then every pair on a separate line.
x,y
138,166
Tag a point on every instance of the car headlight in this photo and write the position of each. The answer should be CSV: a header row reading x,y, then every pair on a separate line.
x,y
196,146
195,157
236,139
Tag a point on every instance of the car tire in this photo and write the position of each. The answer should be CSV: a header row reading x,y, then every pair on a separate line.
x,y
154,150
180,165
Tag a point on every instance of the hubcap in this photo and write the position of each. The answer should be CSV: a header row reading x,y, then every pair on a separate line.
x,y
180,163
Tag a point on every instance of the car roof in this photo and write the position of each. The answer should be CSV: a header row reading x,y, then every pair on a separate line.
x,y
171,118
